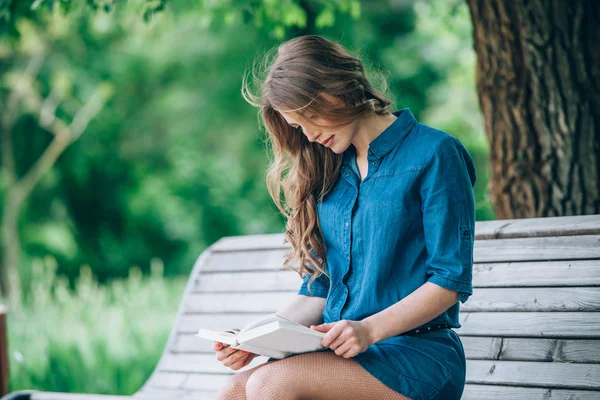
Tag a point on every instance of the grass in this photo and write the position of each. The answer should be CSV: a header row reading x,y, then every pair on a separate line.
x,y
94,338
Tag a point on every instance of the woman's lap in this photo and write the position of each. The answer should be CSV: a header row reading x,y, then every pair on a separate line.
x,y
315,375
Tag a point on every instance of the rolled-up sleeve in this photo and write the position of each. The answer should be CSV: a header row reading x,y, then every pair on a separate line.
x,y
448,206
318,288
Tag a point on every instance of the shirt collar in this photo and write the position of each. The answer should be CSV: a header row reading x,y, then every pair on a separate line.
x,y
391,136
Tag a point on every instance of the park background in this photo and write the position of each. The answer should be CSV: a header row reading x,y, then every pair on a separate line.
x,y
161,156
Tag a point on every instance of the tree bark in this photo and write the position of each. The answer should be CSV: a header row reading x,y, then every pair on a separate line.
x,y
538,81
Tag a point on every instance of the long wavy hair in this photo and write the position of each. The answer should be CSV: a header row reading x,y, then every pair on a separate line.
x,y
294,80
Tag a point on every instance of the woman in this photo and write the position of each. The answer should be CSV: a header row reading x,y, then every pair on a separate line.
x,y
382,208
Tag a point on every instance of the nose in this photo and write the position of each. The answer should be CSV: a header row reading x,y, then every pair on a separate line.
x,y
311,136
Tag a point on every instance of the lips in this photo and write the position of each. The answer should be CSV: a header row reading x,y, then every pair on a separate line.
x,y
328,141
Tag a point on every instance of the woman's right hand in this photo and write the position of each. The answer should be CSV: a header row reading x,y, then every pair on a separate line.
x,y
232,358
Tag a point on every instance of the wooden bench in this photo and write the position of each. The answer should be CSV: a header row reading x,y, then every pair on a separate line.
x,y
531,329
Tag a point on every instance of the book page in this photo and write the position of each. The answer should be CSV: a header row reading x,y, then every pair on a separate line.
x,y
262,321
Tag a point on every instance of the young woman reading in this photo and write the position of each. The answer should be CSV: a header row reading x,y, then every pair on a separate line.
x,y
381,217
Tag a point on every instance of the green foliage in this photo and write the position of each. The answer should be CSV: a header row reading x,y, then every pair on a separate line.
x,y
94,339
175,159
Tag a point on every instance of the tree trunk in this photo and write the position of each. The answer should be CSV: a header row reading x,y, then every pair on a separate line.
x,y
538,81
10,283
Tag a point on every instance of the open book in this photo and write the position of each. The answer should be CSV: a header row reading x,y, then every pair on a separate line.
x,y
270,336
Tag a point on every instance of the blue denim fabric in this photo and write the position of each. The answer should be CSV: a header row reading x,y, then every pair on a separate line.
x,y
410,221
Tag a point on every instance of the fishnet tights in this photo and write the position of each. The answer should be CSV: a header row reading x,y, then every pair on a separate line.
x,y
308,376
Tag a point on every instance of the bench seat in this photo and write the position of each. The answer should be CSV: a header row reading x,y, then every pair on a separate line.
x,y
531,329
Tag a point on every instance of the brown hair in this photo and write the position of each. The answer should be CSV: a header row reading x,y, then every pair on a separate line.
x,y
306,68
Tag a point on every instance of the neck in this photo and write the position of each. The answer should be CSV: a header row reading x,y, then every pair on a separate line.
x,y
368,129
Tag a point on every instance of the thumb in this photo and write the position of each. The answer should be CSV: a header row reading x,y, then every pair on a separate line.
x,y
323,327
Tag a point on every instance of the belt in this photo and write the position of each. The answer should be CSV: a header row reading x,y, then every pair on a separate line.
x,y
425,329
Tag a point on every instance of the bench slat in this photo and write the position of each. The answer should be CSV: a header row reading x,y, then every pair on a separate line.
x,y
247,260
483,299
522,228
498,392
520,349
534,299
538,249
546,374
484,348
514,274
538,227
537,273
485,251
531,324
75,396
515,324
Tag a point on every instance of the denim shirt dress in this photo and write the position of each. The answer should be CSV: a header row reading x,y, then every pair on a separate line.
x,y
411,220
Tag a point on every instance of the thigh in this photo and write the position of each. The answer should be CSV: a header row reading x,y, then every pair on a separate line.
x,y
317,376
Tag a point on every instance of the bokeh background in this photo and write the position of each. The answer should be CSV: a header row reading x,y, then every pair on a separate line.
x,y
167,156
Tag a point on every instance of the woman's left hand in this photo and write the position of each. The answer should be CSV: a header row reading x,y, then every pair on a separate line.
x,y
346,338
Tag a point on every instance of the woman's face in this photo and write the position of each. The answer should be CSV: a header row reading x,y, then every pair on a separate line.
x,y
337,140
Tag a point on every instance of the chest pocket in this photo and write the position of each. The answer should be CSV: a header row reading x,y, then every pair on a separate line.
x,y
394,197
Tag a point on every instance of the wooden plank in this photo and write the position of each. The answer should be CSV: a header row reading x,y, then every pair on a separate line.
x,y
484,230
526,373
202,363
498,392
514,324
159,394
478,348
190,323
546,374
166,380
249,260
513,274
531,324
3,353
250,242
263,281
267,303
484,299
485,251
509,349
537,249
198,395
534,299
75,396
538,227
537,273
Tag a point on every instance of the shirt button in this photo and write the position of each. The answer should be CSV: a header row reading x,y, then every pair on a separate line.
x,y
373,162
348,258
347,223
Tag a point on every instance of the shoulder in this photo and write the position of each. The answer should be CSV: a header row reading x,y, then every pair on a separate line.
x,y
443,153
426,145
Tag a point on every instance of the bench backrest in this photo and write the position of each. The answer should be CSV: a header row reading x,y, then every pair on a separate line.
x,y
530,330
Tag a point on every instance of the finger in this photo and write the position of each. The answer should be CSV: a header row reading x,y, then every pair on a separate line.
x,y
219,346
226,352
332,335
233,358
347,335
351,352
343,348
242,362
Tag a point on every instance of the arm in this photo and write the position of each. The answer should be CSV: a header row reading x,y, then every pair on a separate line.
x,y
448,209
416,309
308,306
305,310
